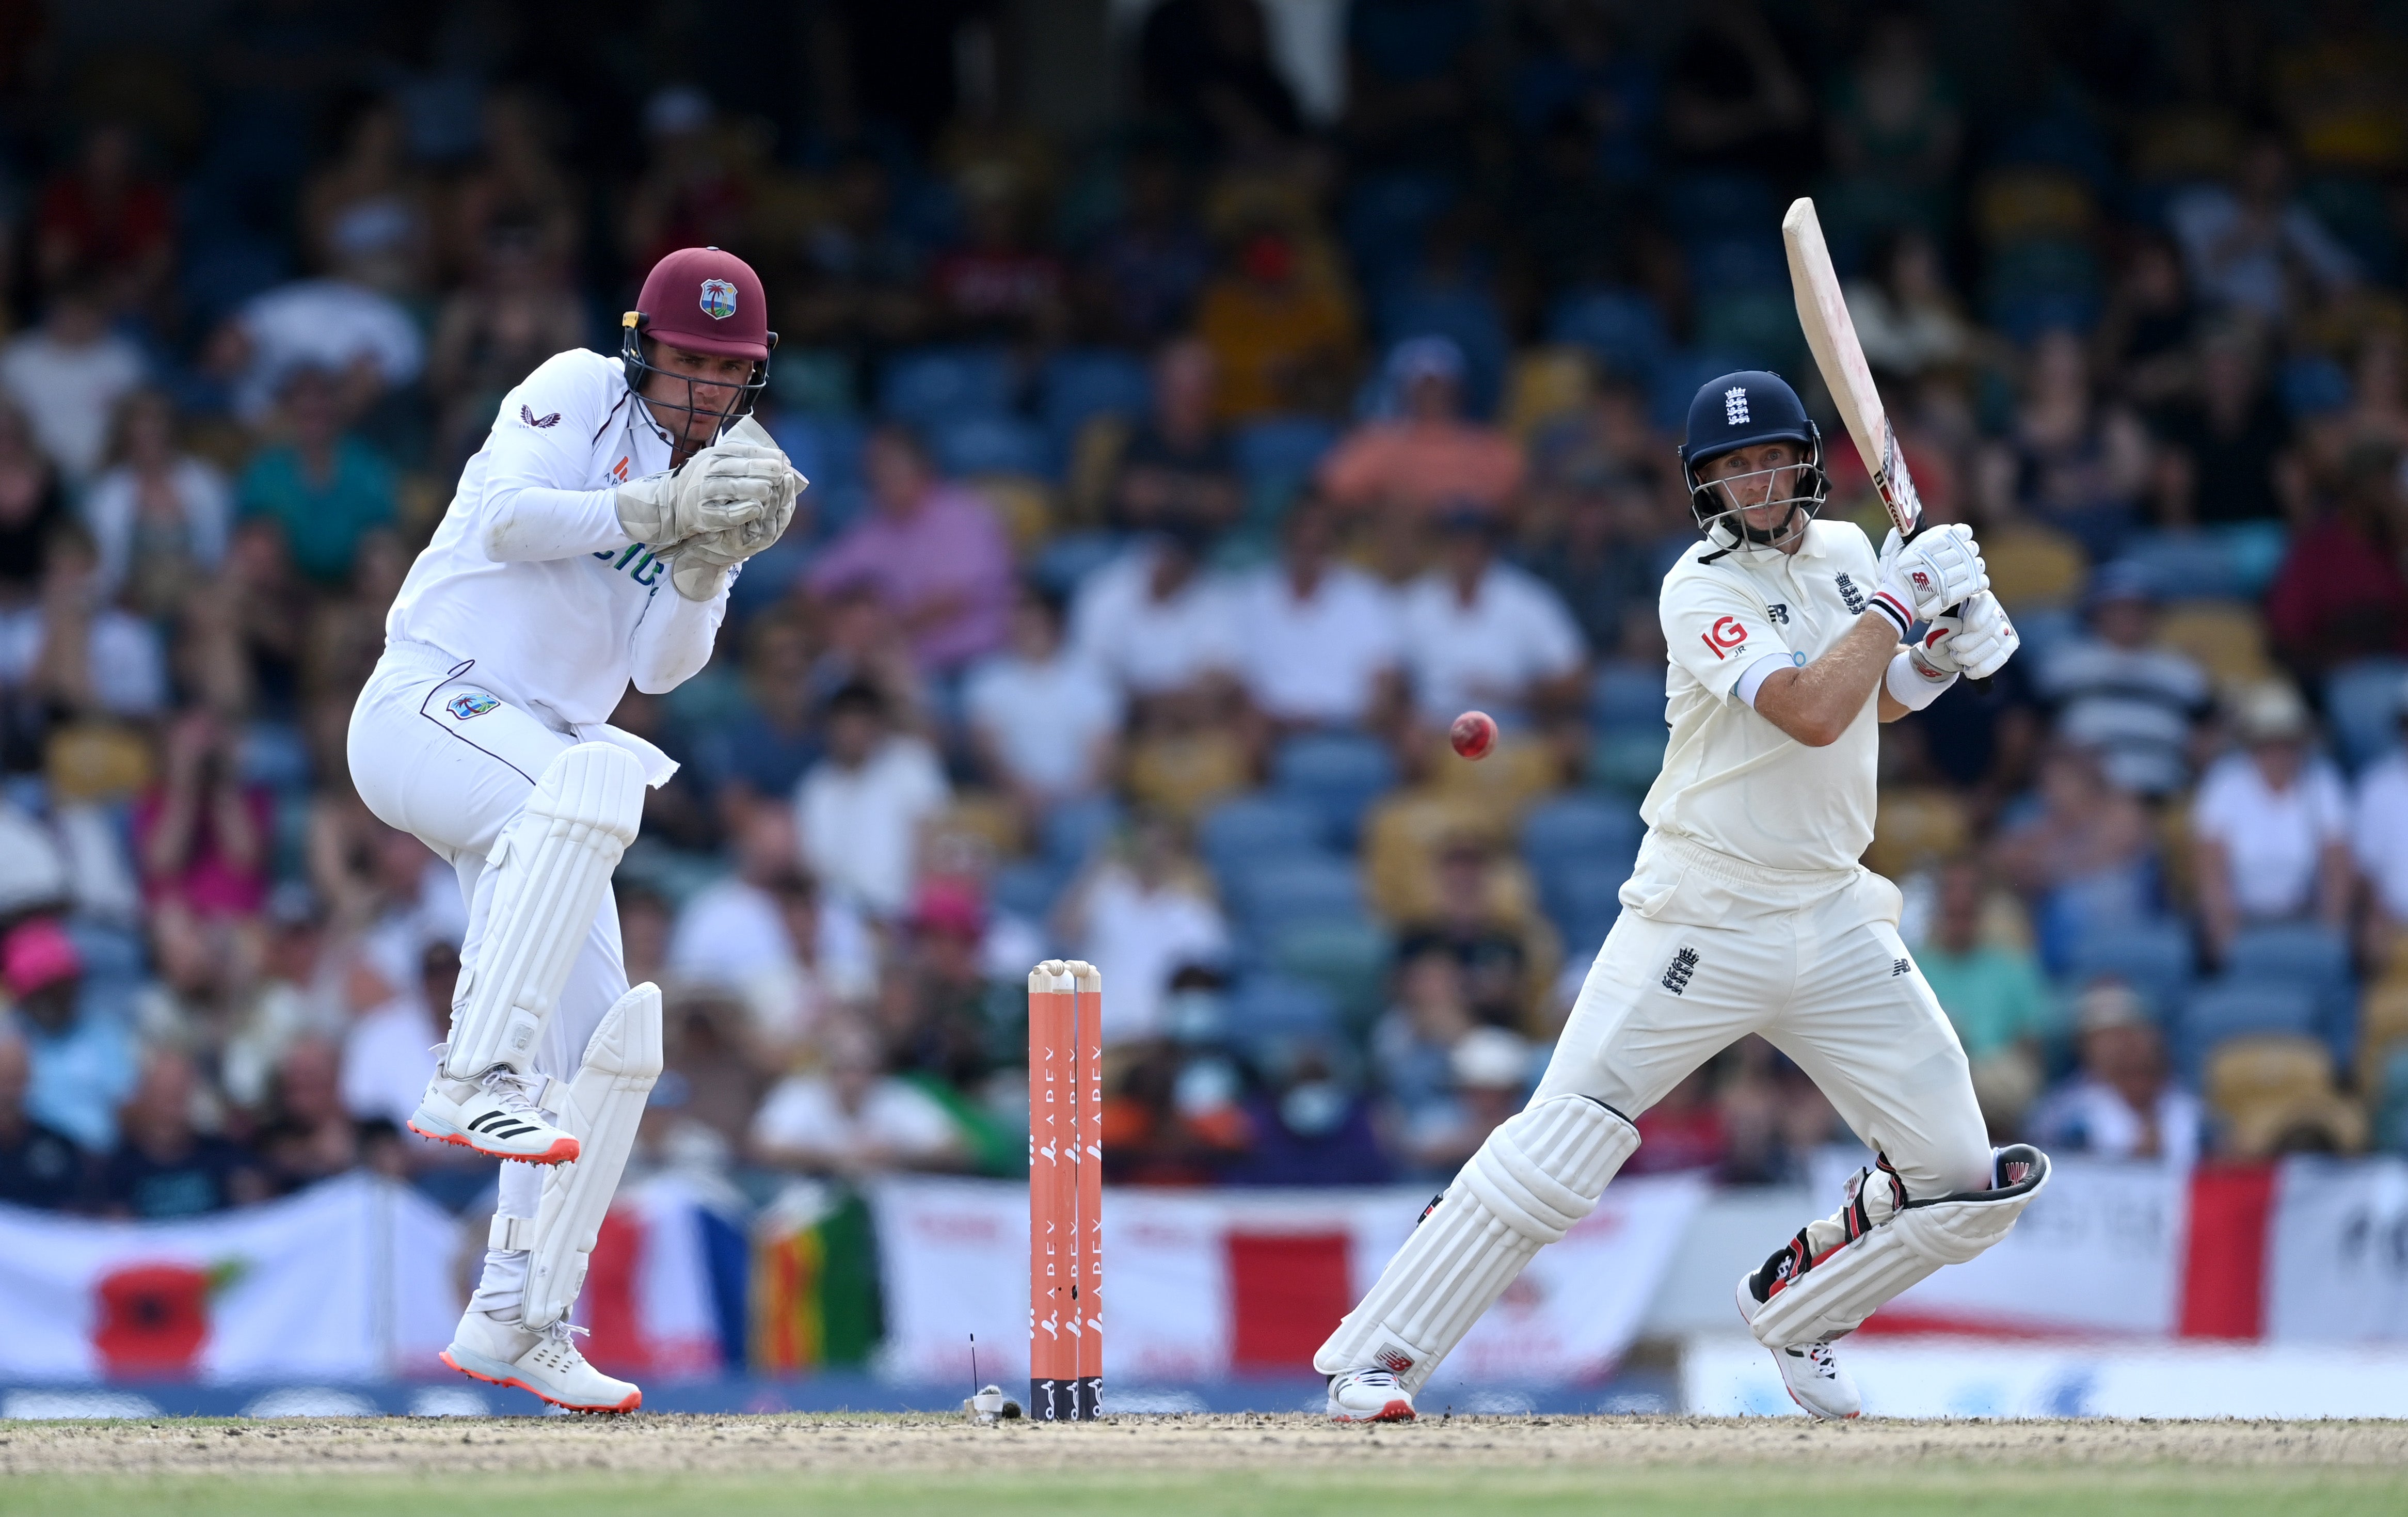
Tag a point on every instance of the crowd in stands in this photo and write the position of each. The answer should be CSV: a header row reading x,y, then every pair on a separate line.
x,y
1173,487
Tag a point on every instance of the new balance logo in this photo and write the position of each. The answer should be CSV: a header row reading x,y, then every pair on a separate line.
x,y
1395,1360
1778,611
1903,967
1677,973
1849,592
1735,405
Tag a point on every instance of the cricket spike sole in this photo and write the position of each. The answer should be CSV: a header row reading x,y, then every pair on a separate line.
x,y
501,1376
1398,1411
563,1150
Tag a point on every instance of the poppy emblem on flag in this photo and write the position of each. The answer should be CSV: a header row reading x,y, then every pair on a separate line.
x,y
464,708
718,299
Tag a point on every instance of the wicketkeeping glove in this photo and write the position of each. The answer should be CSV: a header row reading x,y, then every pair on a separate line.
x,y
725,485
1978,640
1920,580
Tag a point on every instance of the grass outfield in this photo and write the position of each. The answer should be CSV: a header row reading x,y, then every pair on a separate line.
x,y
1189,1467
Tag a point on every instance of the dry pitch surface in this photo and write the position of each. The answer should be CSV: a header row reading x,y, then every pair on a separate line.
x,y
1182,1467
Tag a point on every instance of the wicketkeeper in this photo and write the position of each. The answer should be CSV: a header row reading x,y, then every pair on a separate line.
x,y
1748,912
592,543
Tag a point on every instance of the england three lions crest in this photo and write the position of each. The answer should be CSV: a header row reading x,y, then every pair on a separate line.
x,y
718,299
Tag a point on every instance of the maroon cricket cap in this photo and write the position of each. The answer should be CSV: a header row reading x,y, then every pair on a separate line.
x,y
706,300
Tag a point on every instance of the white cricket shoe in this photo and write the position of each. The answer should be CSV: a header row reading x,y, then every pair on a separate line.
x,y
547,1364
494,1115
1368,1395
1812,1373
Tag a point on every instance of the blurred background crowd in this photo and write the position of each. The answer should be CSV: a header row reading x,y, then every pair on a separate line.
x,y
1204,401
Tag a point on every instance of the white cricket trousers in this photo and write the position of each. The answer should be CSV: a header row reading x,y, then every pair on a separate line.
x,y
436,754
1709,949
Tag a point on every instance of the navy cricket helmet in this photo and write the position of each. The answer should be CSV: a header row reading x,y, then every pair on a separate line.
x,y
1740,410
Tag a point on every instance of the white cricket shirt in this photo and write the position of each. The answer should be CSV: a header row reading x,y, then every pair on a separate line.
x,y
1732,781
530,574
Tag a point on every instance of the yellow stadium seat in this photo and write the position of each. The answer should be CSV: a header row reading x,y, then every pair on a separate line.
x,y
2227,640
2269,1089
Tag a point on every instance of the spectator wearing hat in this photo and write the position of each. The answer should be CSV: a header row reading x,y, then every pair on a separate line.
x,y
84,1060
1479,631
2270,824
2122,1103
1489,1075
932,553
2114,692
39,1166
1427,458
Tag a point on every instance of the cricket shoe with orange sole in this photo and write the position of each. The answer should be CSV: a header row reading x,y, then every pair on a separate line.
x,y
497,1114
1368,1395
547,1364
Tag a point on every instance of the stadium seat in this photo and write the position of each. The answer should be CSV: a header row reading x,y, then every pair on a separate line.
x,y
1069,559
1080,385
935,384
1072,831
1338,774
1276,893
1622,328
1268,1007
1277,455
1580,830
1027,888
2388,1095
1249,829
1583,902
1625,697
2154,958
2271,1091
1348,959
2229,1008
971,445
2362,708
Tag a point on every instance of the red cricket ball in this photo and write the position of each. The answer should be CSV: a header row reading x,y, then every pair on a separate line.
x,y
1474,735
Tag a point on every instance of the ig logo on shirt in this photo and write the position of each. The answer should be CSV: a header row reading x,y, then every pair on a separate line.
x,y
1725,638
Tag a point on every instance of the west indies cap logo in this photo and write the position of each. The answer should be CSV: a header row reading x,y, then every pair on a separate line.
x,y
718,299
468,707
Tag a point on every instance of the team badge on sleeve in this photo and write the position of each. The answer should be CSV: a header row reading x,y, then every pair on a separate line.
x,y
531,418
718,299
475,704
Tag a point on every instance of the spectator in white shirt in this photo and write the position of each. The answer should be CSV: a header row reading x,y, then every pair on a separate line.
x,y
2272,826
2246,245
2378,835
2132,703
1155,619
1044,719
339,325
860,809
1481,633
1322,644
68,375
2122,1103
1145,908
389,1051
73,650
764,933
850,1117
159,515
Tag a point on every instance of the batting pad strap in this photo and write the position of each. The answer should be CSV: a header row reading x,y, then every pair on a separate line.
x,y
552,868
510,1234
1535,1176
605,1103
1834,1294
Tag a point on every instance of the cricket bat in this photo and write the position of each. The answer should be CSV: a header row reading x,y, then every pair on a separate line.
x,y
1832,335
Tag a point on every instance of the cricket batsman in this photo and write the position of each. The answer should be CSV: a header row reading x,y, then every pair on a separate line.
x,y
1747,913
592,543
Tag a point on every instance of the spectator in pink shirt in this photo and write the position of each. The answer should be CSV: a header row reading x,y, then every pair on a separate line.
x,y
1428,457
932,553
202,835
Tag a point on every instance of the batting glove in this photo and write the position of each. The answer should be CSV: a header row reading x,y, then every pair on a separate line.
x,y
1977,640
1920,580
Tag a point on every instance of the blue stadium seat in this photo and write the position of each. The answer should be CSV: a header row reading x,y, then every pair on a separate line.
x,y
2154,958
1349,959
1279,454
1266,1007
2303,954
2229,1007
2362,708
1258,828
1580,830
1072,831
1078,385
1582,901
1027,888
1677,378
1067,560
1628,696
1272,893
1339,774
969,445
1622,328
935,384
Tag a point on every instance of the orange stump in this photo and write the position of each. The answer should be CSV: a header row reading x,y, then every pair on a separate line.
x,y
1088,1398
1052,1194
